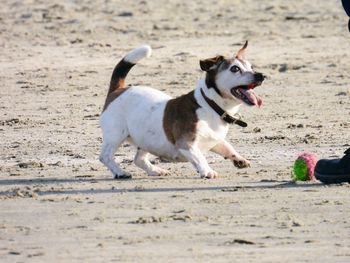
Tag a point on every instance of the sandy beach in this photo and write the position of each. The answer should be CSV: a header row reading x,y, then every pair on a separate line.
x,y
58,203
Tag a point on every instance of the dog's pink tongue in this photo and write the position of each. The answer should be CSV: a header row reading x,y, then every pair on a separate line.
x,y
253,98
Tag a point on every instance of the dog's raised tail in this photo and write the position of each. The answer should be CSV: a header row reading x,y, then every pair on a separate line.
x,y
137,54
121,70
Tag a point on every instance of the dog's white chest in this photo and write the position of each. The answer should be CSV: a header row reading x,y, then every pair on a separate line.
x,y
209,133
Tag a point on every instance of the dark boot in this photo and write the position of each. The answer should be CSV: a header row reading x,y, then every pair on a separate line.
x,y
346,5
334,171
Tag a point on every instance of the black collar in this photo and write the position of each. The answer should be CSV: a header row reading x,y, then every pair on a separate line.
x,y
223,114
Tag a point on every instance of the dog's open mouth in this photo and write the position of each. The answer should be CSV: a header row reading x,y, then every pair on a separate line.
x,y
247,95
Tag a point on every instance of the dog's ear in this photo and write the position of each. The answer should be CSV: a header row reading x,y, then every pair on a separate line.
x,y
241,52
210,63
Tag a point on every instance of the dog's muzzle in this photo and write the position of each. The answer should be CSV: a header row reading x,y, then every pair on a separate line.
x,y
245,92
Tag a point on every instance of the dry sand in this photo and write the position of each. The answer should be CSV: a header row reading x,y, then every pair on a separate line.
x,y
59,204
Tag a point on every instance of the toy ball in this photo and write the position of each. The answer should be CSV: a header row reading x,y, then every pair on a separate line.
x,y
304,167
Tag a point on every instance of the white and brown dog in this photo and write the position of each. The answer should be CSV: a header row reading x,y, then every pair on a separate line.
x,y
180,129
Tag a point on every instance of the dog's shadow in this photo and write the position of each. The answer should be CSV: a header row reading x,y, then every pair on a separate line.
x,y
244,186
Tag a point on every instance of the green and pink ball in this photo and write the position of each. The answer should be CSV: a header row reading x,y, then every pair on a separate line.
x,y
304,167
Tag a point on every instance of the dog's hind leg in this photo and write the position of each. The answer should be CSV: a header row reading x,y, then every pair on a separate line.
x,y
110,144
141,160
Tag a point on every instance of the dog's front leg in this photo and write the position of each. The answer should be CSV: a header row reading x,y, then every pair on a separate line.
x,y
193,154
226,150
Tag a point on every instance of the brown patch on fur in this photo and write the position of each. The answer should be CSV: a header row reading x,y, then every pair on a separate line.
x,y
180,118
212,66
113,95
207,64
223,64
117,84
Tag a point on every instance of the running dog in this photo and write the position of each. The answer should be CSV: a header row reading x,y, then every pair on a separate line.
x,y
178,129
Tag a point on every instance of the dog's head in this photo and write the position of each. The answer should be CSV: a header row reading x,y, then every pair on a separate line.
x,y
233,78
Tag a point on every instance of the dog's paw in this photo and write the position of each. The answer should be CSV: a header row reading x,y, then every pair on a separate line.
x,y
241,163
156,171
210,175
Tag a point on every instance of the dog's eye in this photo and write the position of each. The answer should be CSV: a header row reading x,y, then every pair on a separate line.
x,y
235,69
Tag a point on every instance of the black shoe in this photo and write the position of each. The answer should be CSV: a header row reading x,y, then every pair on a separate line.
x,y
334,171
346,5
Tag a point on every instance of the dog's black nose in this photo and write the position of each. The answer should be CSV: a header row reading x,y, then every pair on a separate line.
x,y
259,77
